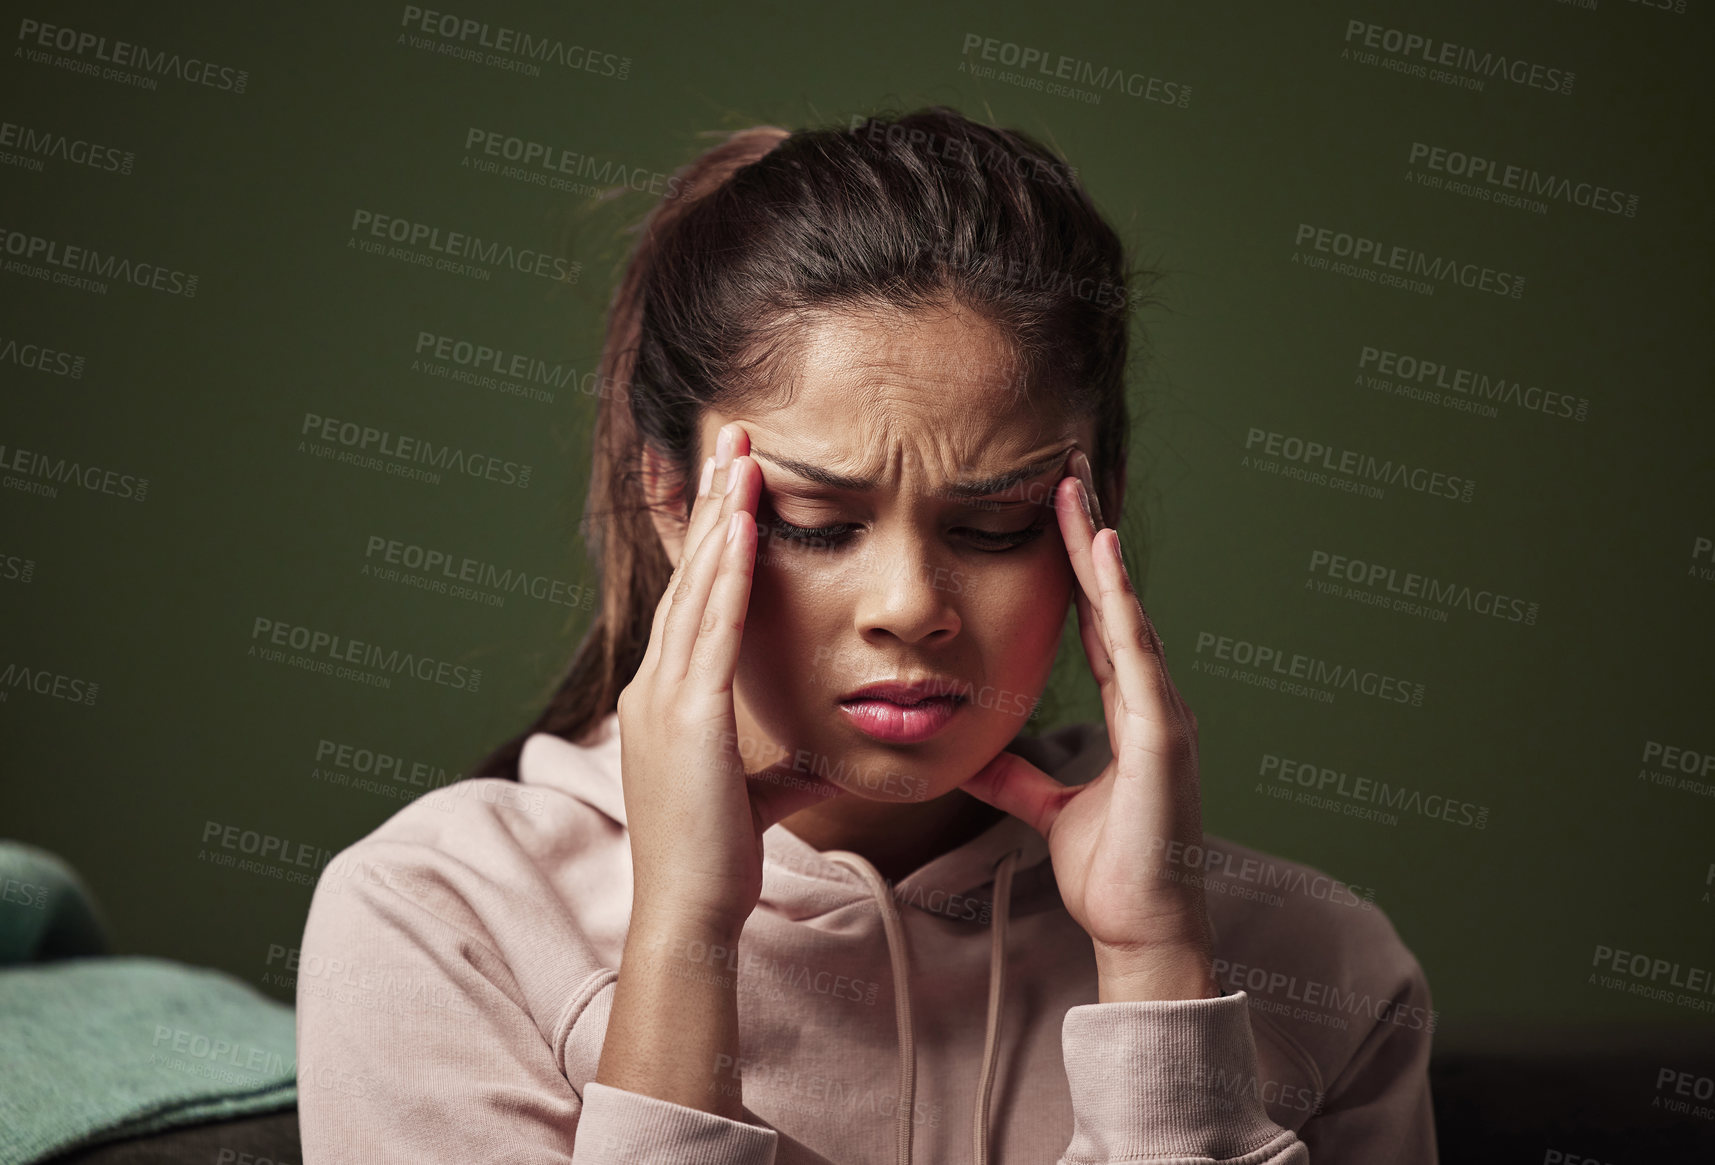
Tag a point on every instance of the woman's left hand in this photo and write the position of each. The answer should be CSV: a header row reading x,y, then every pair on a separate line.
x,y
1118,842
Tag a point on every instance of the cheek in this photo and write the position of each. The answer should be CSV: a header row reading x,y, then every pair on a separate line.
x,y
1022,611
785,650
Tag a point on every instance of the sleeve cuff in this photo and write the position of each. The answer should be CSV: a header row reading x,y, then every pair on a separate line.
x,y
620,1127
1173,1078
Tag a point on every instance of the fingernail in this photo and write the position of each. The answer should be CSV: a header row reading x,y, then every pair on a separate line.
x,y
723,448
731,477
732,526
1084,496
708,476
1091,505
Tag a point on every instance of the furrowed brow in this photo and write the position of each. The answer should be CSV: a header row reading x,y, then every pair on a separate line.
x,y
970,488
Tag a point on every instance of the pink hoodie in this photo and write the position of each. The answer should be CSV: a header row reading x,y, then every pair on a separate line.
x,y
458,967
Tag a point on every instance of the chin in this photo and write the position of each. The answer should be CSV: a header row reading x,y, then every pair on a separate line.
x,y
887,754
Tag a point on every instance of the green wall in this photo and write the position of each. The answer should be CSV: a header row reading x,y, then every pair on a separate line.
x,y
1596,525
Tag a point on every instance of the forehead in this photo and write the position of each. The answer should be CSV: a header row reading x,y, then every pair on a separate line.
x,y
939,390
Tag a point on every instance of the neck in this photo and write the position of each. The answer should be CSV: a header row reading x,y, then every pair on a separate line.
x,y
896,838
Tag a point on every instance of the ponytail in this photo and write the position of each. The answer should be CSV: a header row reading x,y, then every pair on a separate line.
x,y
631,567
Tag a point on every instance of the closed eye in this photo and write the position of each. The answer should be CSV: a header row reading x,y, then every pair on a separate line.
x,y
990,541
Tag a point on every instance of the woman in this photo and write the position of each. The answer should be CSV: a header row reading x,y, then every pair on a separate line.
x,y
781,878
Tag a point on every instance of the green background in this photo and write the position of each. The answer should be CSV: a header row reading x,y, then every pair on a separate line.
x,y
1594,520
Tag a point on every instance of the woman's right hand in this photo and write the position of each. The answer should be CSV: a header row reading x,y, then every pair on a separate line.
x,y
695,817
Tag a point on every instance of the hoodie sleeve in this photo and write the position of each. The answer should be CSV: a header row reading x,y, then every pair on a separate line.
x,y
1143,1082
415,1047
1378,1107
1167,1079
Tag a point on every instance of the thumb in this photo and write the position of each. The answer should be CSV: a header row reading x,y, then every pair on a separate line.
x,y
1014,785
779,791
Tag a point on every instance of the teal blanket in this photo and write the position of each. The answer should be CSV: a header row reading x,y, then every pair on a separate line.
x,y
98,1047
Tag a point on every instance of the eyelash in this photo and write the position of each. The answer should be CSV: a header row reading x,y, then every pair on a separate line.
x,y
991,542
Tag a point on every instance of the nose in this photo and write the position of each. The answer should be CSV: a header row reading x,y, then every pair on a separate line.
x,y
903,596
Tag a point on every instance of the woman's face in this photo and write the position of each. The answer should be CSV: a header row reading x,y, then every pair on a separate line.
x,y
936,560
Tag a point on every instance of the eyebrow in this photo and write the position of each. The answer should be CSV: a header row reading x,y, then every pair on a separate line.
x,y
980,487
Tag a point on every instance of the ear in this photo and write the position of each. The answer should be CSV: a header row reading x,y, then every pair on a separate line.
x,y
664,493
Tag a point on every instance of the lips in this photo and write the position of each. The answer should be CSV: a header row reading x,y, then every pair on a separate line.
x,y
914,692
903,713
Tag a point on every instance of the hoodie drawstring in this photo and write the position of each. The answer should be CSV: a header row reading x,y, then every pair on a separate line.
x,y
997,990
898,957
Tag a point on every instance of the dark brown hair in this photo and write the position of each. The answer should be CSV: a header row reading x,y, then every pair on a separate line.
x,y
896,211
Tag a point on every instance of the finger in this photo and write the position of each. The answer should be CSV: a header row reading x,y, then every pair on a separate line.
x,y
652,652
1101,667
731,443
708,509
1014,785
714,654
1079,535
1080,465
1140,675
690,598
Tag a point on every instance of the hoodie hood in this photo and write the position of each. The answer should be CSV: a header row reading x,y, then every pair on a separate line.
x,y
972,882
801,882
